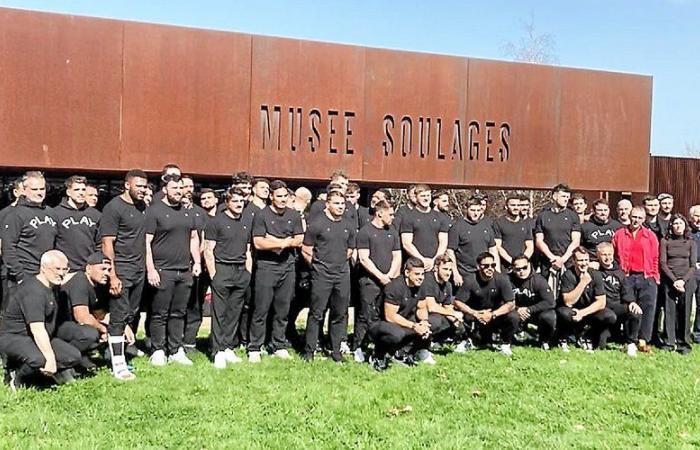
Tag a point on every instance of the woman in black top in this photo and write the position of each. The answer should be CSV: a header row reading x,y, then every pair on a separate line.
x,y
677,259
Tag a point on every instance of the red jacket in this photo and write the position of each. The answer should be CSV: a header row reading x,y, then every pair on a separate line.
x,y
622,240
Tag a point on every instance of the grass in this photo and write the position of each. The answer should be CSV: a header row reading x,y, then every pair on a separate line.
x,y
478,400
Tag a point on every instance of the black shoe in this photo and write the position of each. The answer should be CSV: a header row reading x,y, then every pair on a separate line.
x,y
191,350
404,359
666,348
684,350
379,364
696,338
86,365
65,376
337,358
307,357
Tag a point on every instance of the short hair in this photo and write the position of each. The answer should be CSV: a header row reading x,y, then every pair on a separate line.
x,y
18,182
32,174
303,193
291,192
151,187
484,255
603,246
277,184
413,263
521,256
578,196
51,256
187,177
524,198
639,209
135,173
206,191
332,194
387,194
512,195
420,188
442,259
561,187
169,166
692,209
382,205
624,200
261,180
648,198
74,179
440,192
473,202
664,196
353,187
581,250
333,187
241,177
174,178
601,201
338,174
234,191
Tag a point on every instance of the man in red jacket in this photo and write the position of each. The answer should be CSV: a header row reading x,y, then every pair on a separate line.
x,y
637,250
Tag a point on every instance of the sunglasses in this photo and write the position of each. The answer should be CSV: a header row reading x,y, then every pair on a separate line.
x,y
487,266
519,269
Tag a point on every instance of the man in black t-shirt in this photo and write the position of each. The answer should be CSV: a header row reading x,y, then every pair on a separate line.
x,y
445,321
124,242
534,300
227,254
583,303
83,305
468,238
28,330
404,330
441,202
339,182
403,210
18,192
424,230
600,228
487,301
172,243
328,245
513,233
277,233
379,253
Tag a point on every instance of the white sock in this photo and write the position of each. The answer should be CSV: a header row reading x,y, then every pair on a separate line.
x,y
116,348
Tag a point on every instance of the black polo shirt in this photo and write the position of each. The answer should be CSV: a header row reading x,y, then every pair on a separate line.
x,y
381,243
533,293
556,228
171,227
398,293
569,281
468,240
232,237
126,222
441,292
318,207
482,294
330,240
79,292
32,302
513,235
283,225
425,227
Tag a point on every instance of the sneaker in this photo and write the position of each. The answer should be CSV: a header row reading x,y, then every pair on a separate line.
x,y
564,346
337,357
545,346
124,374
403,359
282,353
307,357
684,350
220,360
12,380
231,356
344,348
379,364
424,356
180,357
254,357
632,350
191,349
505,350
464,346
359,355
158,358
588,347
65,376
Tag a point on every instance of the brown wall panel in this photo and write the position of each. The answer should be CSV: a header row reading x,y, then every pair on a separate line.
x,y
186,99
307,99
516,108
604,130
412,103
679,177
60,85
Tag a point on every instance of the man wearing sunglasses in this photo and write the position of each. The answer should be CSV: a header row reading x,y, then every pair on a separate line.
x,y
534,300
487,301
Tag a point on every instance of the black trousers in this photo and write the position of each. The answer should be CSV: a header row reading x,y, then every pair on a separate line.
x,y
441,328
82,337
274,288
301,300
328,289
195,305
388,338
600,323
630,322
546,322
645,292
228,290
24,356
677,310
5,295
124,309
168,310
696,325
506,325
243,335
369,308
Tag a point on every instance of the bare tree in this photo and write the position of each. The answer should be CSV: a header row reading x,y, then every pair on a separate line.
x,y
533,47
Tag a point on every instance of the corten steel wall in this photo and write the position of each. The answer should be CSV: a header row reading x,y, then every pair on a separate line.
x,y
679,177
94,94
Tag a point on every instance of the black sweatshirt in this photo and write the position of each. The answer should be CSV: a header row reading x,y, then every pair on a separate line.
x,y
77,233
532,293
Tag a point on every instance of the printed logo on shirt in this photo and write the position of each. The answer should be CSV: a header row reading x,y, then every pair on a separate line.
x,y
612,280
36,221
67,223
524,291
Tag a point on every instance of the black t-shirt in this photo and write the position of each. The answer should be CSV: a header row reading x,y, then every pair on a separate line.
x,y
318,207
468,240
399,215
287,224
30,230
441,292
331,240
557,228
381,242
406,298
126,222
232,237
200,218
485,294
171,227
32,302
533,292
79,292
594,232
77,233
364,216
425,226
617,285
513,235
659,227
569,281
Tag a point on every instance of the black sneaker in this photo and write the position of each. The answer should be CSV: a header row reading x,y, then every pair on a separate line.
x,y
86,365
307,357
684,350
379,364
337,357
65,376
403,359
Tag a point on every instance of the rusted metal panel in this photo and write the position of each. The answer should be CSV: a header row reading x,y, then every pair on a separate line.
x,y
604,130
60,85
413,103
512,134
679,177
307,99
186,99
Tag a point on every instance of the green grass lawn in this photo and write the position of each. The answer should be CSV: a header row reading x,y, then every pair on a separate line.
x,y
477,400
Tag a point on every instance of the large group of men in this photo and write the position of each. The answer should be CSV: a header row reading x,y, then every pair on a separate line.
x,y
76,281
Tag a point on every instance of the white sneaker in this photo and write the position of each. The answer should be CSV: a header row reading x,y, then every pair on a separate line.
x,y
282,353
505,350
180,357
545,346
254,357
359,355
344,348
220,360
564,347
424,356
632,350
158,358
231,356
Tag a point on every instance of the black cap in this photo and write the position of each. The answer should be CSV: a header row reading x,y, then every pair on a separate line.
x,y
97,258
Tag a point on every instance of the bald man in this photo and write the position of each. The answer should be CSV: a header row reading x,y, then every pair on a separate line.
x,y
624,207
28,332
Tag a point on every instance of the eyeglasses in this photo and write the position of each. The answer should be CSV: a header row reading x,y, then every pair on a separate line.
x,y
519,269
488,266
